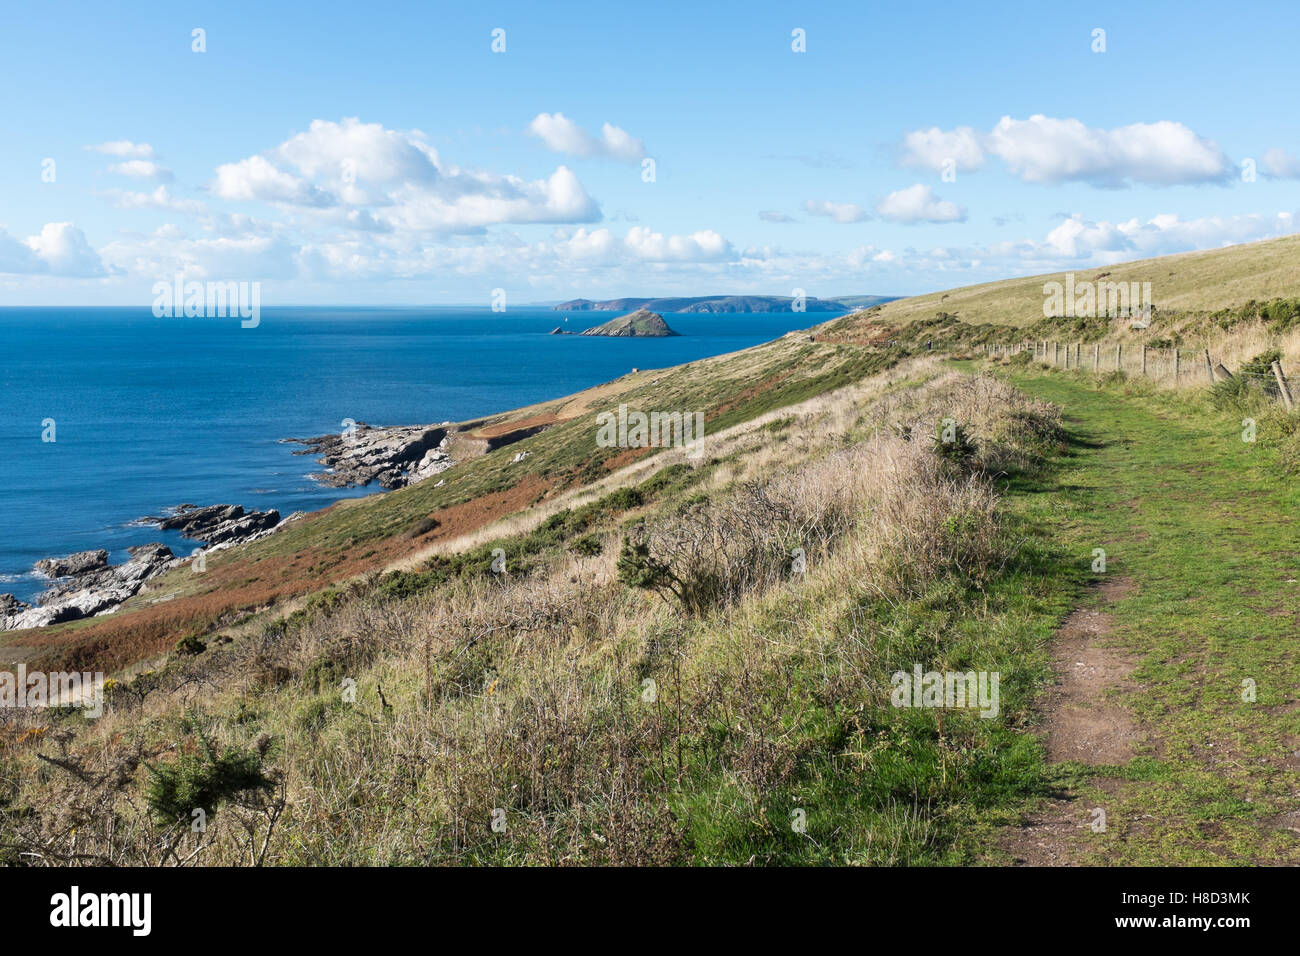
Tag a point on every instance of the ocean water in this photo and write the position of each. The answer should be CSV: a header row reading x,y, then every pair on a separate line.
x,y
151,412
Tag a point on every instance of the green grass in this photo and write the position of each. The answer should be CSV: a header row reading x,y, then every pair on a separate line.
x,y
1204,524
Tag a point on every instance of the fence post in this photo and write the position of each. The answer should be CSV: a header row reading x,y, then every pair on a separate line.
x,y
1209,367
1119,357
1096,357
1144,360
1175,368
1283,386
1056,353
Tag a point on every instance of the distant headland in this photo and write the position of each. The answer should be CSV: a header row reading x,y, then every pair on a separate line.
x,y
724,303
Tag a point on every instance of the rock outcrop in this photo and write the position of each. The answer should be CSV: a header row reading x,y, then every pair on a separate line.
x,y
79,563
216,524
88,586
395,457
639,323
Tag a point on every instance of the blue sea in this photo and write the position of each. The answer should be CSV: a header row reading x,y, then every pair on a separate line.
x,y
152,412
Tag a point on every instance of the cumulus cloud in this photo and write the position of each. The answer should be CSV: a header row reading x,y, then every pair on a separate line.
x,y
1279,164
385,180
919,204
256,178
705,245
935,149
17,257
562,135
1047,150
353,152
141,169
169,251
124,148
772,215
836,211
63,250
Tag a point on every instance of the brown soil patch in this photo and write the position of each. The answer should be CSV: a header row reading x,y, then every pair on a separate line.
x,y
758,388
1080,723
506,427
615,462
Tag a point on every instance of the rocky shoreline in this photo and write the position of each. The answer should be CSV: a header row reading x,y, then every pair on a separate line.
x,y
84,584
394,457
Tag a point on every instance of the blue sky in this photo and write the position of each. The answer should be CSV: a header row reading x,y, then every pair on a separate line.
x,y
351,153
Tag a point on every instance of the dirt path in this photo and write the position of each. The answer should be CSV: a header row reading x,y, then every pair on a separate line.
x,y
1082,722
1176,705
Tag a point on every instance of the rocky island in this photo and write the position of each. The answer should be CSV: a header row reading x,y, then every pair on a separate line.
x,y
641,323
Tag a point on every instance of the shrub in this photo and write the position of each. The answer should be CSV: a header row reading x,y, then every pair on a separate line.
x,y
422,526
952,442
203,780
190,645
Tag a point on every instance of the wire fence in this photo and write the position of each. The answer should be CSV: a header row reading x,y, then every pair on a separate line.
x,y
1169,366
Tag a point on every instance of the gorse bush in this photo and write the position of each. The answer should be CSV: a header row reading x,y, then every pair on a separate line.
x,y
952,442
203,780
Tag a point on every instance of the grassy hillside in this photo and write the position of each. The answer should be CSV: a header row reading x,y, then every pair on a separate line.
x,y
1187,282
630,655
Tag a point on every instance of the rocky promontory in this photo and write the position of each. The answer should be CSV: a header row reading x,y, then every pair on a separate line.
x,y
395,457
85,585
641,323
216,524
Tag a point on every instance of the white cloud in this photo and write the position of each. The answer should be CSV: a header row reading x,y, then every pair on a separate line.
x,y
141,169
705,245
169,251
125,148
772,215
17,257
160,198
256,178
64,251
837,211
1044,149
383,180
466,201
919,204
562,135
362,153
934,148
1279,164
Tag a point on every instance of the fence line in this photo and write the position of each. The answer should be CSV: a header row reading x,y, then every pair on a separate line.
x,y
1179,366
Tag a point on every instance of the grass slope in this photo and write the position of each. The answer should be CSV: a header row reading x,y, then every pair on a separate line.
x,y
1190,281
